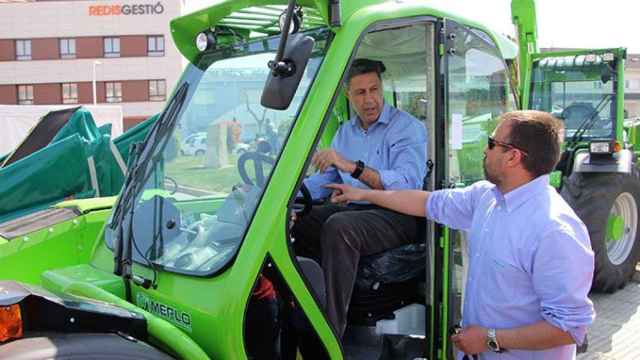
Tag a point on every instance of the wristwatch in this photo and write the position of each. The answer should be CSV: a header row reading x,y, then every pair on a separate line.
x,y
358,170
492,341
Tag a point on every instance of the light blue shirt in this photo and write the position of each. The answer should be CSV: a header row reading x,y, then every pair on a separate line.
x,y
530,259
395,146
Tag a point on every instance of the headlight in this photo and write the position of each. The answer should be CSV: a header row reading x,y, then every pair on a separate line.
x,y
205,40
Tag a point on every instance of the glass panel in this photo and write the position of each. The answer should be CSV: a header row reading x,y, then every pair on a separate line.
x,y
111,47
25,95
478,93
213,166
577,94
23,49
408,84
156,46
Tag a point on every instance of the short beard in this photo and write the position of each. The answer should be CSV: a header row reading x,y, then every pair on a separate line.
x,y
489,177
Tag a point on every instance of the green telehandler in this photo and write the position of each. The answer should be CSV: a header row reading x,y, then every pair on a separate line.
x,y
598,174
176,268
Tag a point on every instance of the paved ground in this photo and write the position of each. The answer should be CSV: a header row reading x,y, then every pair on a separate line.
x,y
616,331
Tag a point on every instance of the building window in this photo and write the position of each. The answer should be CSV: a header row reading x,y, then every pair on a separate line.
x,y
23,49
157,90
155,45
25,94
69,93
114,92
68,48
111,47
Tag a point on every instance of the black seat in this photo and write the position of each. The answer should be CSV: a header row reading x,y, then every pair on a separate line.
x,y
386,282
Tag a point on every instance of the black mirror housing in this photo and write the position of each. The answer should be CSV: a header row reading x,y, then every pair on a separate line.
x,y
280,87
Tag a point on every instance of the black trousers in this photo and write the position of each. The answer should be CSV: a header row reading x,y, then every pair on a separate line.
x,y
337,236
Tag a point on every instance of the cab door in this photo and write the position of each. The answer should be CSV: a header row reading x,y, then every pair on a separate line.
x,y
476,92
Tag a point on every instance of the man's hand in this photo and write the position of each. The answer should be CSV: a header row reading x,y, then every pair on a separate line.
x,y
325,158
471,340
343,193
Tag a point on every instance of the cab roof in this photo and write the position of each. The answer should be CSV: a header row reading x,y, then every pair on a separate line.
x,y
255,18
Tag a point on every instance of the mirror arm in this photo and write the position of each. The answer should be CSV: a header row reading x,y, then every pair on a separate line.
x,y
278,66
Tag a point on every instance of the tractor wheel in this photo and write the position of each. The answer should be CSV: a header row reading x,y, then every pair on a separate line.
x,y
79,346
608,205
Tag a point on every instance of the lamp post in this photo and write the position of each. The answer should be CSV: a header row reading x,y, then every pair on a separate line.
x,y
95,95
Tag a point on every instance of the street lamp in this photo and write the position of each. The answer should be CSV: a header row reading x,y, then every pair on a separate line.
x,y
95,95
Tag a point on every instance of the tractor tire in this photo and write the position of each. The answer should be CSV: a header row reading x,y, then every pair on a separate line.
x,y
599,199
80,346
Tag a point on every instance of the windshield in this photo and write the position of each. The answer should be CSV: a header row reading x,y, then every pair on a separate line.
x,y
207,173
576,95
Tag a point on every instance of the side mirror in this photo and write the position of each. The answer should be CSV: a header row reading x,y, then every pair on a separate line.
x,y
286,74
606,74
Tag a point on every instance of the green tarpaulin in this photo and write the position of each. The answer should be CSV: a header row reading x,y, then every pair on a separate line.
x,y
65,156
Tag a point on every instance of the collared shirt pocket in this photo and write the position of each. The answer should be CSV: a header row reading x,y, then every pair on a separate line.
x,y
506,276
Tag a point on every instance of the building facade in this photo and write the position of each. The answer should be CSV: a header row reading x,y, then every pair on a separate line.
x,y
58,52
632,86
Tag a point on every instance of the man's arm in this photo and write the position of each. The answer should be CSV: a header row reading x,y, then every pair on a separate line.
x,y
315,183
538,336
411,202
325,158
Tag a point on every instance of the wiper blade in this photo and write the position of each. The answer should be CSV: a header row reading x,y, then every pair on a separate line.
x,y
588,123
142,167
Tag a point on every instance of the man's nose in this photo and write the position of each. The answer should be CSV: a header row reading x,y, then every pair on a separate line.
x,y
369,97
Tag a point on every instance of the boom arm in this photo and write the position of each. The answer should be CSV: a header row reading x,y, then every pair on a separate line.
x,y
523,16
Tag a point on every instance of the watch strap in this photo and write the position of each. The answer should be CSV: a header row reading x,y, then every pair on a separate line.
x,y
358,170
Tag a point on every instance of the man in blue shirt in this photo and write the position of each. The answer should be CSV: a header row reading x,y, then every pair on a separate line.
x,y
530,259
380,148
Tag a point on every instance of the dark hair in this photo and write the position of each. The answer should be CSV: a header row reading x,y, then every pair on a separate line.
x,y
364,66
539,134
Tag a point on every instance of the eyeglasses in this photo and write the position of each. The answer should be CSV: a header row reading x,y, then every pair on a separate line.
x,y
491,143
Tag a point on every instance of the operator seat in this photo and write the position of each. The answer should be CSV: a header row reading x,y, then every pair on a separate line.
x,y
577,113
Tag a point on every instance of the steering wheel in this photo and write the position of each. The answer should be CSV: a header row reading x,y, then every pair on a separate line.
x,y
302,204
173,183
258,160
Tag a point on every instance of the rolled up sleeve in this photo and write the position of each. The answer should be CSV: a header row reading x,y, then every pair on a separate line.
x,y
315,183
455,207
563,266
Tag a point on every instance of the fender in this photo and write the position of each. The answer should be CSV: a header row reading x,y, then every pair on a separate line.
x,y
44,311
620,162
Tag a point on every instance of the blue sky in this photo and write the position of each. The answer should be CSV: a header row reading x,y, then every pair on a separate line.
x,y
561,23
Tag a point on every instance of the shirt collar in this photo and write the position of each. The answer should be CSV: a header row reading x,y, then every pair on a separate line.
x,y
518,196
384,118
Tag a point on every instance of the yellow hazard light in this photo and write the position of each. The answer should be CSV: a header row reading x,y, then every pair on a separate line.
x,y
10,322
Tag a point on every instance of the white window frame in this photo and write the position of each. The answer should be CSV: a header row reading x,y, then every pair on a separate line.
x,y
155,45
111,46
69,93
23,49
157,90
25,94
113,92
67,48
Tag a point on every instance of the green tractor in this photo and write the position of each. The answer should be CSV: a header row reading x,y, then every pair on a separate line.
x,y
178,267
598,174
